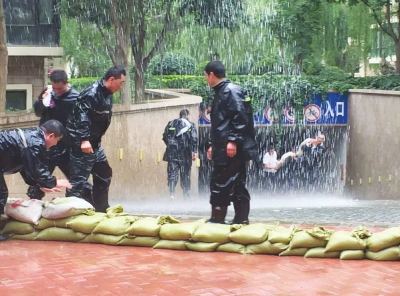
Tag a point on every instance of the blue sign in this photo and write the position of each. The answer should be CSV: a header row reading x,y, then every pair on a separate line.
x,y
332,110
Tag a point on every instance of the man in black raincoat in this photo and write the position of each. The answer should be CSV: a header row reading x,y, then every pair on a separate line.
x,y
86,126
232,146
58,105
180,136
24,151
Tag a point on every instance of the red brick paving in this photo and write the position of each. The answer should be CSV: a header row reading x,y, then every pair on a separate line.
x,y
54,268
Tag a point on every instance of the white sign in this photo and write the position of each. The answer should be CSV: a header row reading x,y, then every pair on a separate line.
x,y
312,113
271,115
289,114
207,114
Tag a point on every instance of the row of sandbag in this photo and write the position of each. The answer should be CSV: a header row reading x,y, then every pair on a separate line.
x,y
118,228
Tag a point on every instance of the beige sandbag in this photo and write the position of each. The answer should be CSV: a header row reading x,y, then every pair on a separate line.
x,y
179,231
115,225
201,247
352,255
320,253
23,210
62,207
212,233
303,239
344,240
139,241
147,226
282,234
266,248
105,239
46,223
384,239
389,254
232,248
84,223
250,234
27,237
17,227
170,244
59,234
294,252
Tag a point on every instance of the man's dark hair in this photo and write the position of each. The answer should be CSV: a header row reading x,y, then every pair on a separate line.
x,y
184,113
216,67
59,76
270,147
115,71
53,126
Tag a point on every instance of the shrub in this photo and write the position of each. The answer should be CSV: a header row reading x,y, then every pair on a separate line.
x,y
172,63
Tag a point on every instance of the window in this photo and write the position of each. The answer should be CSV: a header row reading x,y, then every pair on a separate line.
x,y
46,12
20,12
19,97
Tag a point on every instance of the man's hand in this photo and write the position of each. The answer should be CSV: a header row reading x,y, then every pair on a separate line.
x,y
86,147
194,156
231,149
63,183
50,190
209,153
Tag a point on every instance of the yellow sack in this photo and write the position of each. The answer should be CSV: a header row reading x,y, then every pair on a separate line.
x,y
212,233
105,239
147,226
170,244
139,241
179,231
250,234
46,223
201,247
59,234
294,252
344,240
389,254
232,248
16,227
266,248
302,239
27,237
282,234
85,223
384,239
352,255
115,225
320,253
167,220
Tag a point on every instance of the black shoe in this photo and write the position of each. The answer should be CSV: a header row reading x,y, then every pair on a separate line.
x,y
218,215
4,237
246,222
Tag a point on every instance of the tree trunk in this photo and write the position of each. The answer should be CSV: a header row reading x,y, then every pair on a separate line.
x,y
139,82
397,47
3,60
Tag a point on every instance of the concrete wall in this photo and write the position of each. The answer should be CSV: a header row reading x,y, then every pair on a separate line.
x,y
139,128
373,162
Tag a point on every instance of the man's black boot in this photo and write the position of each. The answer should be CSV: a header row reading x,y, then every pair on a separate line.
x,y
242,210
4,237
218,214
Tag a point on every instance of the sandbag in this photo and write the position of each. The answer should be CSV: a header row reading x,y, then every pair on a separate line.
x,y
303,239
201,246
170,244
17,227
232,248
139,241
84,223
212,233
282,234
294,252
250,234
179,231
384,239
344,240
105,239
352,255
62,207
115,226
388,254
266,248
27,237
59,234
46,223
320,253
147,226
23,210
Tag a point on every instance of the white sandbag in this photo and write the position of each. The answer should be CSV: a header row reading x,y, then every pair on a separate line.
x,y
23,210
62,207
